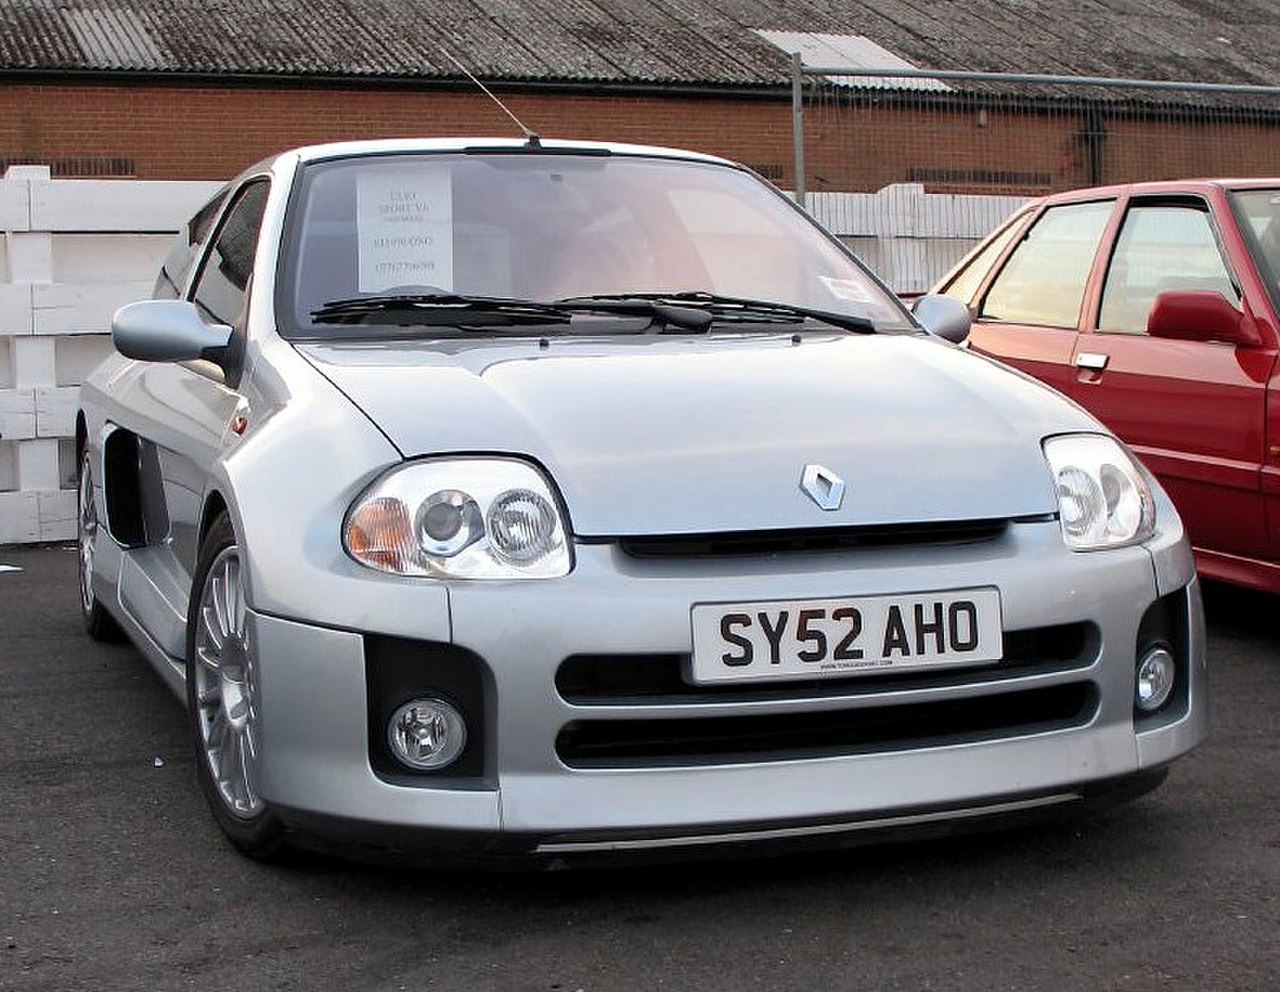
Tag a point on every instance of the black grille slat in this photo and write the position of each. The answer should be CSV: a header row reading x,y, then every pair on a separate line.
x,y
613,680
790,736
734,544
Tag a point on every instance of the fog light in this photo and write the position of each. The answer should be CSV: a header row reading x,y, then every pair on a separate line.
x,y
426,733
1155,679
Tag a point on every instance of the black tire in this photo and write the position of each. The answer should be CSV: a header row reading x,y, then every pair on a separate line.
x,y
222,698
98,623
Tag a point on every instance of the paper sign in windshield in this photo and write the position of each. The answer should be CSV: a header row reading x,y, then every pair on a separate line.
x,y
405,224
846,289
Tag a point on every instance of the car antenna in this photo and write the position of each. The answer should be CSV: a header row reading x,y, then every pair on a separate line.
x,y
532,135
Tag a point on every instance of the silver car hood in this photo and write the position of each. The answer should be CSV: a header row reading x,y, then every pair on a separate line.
x,y
680,435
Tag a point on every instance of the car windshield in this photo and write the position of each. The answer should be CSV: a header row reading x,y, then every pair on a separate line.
x,y
405,241
1259,213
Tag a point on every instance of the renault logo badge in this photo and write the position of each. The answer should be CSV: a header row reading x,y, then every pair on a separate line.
x,y
823,486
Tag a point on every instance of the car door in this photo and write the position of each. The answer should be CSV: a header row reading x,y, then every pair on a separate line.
x,y
1251,230
1028,314
1192,410
182,413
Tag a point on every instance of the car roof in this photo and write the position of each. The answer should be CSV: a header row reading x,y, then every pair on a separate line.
x,y
343,149
293,157
1157,187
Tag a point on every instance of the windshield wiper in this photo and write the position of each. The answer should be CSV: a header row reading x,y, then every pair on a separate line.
x,y
436,308
466,312
691,311
735,308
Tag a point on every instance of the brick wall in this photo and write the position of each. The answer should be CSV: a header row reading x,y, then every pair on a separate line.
x,y
852,144
187,132
151,130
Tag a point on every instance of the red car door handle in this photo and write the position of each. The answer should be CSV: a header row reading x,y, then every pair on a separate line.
x,y
1092,360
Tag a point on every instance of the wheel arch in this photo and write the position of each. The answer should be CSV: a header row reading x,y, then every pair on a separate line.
x,y
215,505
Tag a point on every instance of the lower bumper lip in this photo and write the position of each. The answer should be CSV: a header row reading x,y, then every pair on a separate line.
x,y
533,851
811,831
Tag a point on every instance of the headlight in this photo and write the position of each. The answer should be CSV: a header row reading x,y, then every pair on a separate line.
x,y
1103,499
461,518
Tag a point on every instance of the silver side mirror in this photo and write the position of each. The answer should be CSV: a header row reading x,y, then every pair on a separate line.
x,y
943,316
167,331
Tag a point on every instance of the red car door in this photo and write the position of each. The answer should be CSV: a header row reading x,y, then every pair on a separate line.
x,y
1193,410
1028,314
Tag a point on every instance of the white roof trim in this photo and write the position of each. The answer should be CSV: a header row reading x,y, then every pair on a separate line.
x,y
854,51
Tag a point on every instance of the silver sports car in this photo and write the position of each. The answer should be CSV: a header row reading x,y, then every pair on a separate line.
x,y
548,499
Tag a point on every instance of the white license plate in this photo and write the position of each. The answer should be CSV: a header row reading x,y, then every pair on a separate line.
x,y
860,635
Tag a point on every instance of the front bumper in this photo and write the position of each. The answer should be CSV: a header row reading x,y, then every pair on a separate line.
x,y
531,792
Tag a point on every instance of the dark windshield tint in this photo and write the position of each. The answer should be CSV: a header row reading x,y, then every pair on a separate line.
x,y
542,227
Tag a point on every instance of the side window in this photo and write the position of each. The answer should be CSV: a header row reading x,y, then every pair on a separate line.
x,y
1044,280
184,250
965,284
1161,247
220,289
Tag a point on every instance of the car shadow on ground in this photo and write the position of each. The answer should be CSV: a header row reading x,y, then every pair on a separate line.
x,y
1231,611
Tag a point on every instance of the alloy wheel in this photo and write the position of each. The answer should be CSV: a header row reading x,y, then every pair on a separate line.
x,y
86,532
225,689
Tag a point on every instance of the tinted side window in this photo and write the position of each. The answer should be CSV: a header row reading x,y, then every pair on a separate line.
x,y
964,286
220,290
184,250
1161,247
1044,280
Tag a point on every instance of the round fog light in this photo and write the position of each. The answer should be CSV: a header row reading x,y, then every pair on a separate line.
x,y
425,734
1155,679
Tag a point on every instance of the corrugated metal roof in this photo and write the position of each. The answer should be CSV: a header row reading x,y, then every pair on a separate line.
x,y
116,41
637,42
850,50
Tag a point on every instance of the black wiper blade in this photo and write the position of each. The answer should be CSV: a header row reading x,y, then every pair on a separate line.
x,y
672,318
459,310
438,308
738,308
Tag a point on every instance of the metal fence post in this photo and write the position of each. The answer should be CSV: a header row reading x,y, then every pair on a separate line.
x,y
797,124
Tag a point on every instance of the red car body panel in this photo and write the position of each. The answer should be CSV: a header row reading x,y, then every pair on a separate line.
x,y
1203,415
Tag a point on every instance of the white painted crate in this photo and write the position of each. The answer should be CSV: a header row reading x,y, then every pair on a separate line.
x,y
73,251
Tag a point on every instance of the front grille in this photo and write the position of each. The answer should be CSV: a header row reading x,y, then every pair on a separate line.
x,y
789,736
620,680
799,541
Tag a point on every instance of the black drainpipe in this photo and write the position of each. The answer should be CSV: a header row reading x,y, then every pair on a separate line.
x,y
1094,135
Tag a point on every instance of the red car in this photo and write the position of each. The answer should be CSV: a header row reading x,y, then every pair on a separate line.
x,y
1155,306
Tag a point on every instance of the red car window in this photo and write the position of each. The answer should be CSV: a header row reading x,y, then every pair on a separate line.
x,y
1044,280
1161,247
966,283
